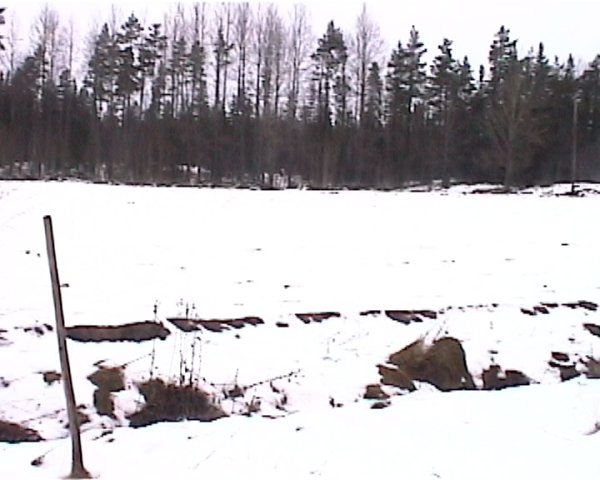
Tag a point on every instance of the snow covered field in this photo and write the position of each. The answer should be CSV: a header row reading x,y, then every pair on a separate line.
x,y
476,260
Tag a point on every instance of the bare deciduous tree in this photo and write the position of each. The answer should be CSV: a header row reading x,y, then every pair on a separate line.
x,y
45,36
299,36
242,31
366,45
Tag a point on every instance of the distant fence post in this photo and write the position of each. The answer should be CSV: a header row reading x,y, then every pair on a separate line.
x,y
77,468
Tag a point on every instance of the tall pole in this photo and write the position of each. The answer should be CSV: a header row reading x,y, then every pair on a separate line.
x,y
77,468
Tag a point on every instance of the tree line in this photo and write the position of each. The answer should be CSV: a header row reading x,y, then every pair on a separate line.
x,y
224,94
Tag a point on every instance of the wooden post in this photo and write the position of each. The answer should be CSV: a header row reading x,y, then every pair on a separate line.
x,y
77,468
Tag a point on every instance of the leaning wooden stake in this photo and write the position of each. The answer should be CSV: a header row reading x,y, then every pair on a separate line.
x,y
77,468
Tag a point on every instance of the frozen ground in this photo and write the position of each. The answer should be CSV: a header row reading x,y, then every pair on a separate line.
x,y
475,259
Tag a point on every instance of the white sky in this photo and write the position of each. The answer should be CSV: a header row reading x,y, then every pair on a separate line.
x,y
565,26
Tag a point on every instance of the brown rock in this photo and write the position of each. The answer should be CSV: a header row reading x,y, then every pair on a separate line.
x,y
403,316
104,402
380,405
316,317
560,357
392,375
109,379
591,306
592,328
443,364
367,313
51,377
541,309
495,379
375,392
592,368
15,433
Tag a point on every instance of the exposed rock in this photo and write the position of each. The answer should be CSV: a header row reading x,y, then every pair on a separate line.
x,y
109,379
408,316
550,304
132,332
496,379
592,368
592,328
375,392
591,306
567,371
316,317
15,433
403,316
541,309
380,405
214,325
368,313
51,377
560,357
443,364
585,304
392,375
104,403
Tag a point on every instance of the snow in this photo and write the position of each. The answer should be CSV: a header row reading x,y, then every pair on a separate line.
x,y
476,259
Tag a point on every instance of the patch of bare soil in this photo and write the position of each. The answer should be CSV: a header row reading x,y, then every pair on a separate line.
x,y
131,332
408,316
494,378
167,402
39,330
15,433
586,305
442,364
545,307
215,325
368,313
316,317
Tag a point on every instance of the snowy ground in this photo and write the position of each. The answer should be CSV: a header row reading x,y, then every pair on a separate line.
x,y
475,259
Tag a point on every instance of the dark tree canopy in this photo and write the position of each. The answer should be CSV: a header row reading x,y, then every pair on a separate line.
x,y
227,102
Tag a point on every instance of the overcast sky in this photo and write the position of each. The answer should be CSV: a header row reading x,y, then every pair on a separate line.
x,y
565,26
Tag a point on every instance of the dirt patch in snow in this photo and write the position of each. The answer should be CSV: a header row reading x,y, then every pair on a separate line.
x,y
167,402
131,332
316,317
544,308
15,433
408,316
215,325
592,328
